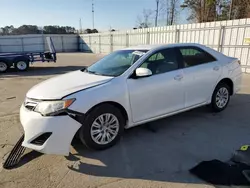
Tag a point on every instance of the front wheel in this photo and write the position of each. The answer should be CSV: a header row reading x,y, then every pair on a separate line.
x,y
102,127
21,65
221,97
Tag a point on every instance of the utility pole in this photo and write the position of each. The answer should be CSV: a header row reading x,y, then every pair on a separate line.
x,y
230,10
157,12
93,15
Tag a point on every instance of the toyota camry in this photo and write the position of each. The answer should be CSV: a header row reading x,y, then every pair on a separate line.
x,y
126,88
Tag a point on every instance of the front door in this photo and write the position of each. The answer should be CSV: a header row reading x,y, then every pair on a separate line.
x,y
160,93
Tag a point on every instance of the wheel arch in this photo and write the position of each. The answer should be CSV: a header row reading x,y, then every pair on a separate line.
x,y
22,58
229,82
4,60
115,104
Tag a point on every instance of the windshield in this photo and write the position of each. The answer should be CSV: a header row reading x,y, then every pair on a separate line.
x,y
115,63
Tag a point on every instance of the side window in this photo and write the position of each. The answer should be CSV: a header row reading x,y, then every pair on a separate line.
x,y
162,61
156,56
193,56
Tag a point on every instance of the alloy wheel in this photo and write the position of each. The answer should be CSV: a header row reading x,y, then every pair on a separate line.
x,y
104,129
222,97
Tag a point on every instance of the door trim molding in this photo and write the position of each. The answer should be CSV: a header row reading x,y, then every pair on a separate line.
x,y
168,114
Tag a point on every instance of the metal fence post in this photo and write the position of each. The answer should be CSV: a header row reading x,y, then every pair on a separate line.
x,y
148,37
111,43
22,44
127,40
62,44
100,45
43,42
221,38
79,43
177,36
90,42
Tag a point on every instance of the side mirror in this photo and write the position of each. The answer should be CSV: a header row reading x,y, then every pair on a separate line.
x,y
143,72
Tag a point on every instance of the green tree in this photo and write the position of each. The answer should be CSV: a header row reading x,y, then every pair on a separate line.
x,y
7,30
87,31
33,29
55,29
26,29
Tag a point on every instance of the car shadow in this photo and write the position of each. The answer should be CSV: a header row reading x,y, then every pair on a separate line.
x,y
175,145
41,71
26,158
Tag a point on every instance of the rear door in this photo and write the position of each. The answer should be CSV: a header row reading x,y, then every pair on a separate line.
x,y
201,73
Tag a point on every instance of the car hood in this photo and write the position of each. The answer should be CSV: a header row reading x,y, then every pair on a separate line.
x,y
60,86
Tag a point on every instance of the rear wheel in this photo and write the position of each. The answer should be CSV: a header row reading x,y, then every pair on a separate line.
x,y
22,65
221,97
3,66
102,127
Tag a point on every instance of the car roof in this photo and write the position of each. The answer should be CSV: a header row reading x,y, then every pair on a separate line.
x,y
159,46
156,47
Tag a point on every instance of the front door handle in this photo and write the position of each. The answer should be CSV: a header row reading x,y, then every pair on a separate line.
x,y
216,68
178,77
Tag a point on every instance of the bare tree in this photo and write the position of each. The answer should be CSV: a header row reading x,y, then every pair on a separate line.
x,y
143,21
239,9
169,10
201,10
173,11
211,10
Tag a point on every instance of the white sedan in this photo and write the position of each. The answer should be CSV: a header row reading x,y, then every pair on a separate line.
x,y
129,87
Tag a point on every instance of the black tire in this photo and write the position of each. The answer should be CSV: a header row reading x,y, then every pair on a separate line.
x,y
85,130
4,66
24,65
214,106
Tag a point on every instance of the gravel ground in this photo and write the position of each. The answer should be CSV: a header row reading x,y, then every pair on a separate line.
x,y
142,159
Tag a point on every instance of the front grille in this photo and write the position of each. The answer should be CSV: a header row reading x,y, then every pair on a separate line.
x,y
41,139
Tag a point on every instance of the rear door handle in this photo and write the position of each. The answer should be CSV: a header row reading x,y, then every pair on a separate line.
x,y
178,77
216,68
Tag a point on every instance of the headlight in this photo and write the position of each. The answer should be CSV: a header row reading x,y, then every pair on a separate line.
x,y
47,108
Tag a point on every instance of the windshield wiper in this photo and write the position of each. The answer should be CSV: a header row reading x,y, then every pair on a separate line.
x,y
93,72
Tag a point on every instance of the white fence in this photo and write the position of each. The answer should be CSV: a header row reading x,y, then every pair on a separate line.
x,y
227,37
38,43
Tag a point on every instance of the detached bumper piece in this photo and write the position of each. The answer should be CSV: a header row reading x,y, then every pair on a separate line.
x,y
15,154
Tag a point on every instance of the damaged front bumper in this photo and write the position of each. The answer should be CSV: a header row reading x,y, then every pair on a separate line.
x,y
48,134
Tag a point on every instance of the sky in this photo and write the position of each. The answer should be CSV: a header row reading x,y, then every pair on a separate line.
x,y
118,14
